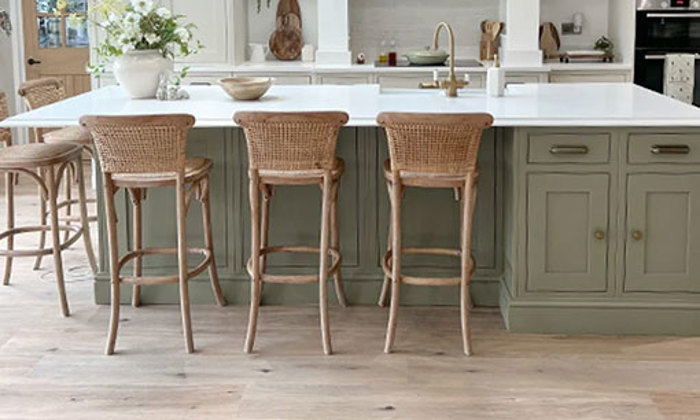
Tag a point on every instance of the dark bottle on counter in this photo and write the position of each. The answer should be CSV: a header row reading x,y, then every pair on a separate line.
x,y
392,52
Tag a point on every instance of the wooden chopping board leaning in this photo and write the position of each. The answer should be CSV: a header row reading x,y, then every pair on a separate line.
x,y
490,33
549,40
287,41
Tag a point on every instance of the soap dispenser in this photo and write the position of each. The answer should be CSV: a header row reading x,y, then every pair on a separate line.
x,y
495,79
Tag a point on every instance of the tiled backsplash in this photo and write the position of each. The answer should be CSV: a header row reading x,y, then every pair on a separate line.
x,y
411,23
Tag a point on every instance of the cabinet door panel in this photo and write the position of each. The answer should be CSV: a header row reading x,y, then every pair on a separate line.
x,y
663,233
564,213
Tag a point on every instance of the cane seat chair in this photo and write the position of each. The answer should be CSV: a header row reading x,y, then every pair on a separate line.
x,y
141,152
431,151
39,93
293,149
46,164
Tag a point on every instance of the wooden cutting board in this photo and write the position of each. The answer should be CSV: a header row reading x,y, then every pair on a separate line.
x,y
287,41
549,40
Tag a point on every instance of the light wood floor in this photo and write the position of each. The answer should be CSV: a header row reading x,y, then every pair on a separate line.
x,y
53,368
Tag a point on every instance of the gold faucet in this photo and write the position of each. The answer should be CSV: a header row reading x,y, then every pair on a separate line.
x,y
451,84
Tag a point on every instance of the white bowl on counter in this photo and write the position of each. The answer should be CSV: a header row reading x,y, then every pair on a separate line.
x,y
246,88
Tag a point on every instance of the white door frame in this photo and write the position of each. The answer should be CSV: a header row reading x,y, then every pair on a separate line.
x,y
18,71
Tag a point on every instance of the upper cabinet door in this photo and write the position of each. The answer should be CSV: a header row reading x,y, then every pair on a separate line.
x,y
663,233
567,232
214,22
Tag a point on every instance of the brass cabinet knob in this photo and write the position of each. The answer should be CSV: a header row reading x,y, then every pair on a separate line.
x,y
637,235
599,235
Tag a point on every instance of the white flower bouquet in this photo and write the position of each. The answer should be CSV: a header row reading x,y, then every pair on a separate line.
x,y
138,25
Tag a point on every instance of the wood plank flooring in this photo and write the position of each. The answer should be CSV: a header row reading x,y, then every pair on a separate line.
x,y
53,368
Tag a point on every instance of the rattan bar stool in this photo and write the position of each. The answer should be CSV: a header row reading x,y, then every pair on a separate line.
x,y
293,149
141,152
38,93
431,151
46,164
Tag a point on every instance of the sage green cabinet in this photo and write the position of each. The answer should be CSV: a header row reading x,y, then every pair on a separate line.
x,y
663,233
567,225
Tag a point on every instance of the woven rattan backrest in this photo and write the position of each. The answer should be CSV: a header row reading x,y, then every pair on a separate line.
x,y
42,92
4,113
140,144
295,141
434,143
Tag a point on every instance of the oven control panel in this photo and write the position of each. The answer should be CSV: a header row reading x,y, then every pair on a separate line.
x,y
668,4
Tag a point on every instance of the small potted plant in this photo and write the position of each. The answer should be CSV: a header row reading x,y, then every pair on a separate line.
x,y
604,44
140,40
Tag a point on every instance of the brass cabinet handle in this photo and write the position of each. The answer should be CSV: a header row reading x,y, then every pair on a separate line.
x,y
599,235
637,235
568,150
670,149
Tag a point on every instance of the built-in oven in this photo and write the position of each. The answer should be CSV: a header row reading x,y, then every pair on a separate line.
x,y
665,27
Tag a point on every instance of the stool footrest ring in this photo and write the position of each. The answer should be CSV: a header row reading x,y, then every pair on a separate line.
x,y
77,233
299,278
428,281
153,280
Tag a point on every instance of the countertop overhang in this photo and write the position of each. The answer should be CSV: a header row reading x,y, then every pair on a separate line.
x,y
530,105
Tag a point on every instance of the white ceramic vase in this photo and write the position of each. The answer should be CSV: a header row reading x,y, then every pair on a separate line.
x,y
138,72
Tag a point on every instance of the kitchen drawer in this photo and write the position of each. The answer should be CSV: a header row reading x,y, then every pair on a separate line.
x,y
569,148
343,80
663,148
407,81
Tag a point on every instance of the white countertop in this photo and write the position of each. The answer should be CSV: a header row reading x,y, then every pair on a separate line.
x,y
530,105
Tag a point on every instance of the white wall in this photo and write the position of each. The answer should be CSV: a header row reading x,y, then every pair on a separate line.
x,y
261,25
6,62
412,23
595,21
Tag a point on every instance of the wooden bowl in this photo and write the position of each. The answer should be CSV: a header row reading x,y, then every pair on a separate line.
x,y
246,88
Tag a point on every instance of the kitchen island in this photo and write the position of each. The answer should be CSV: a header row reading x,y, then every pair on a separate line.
x,y
587,220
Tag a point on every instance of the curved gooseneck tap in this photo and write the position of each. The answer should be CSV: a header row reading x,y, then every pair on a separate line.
x,y
451,84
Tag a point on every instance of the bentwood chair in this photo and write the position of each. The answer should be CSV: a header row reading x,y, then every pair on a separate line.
x,y
46,164
293,149
431,151
39,93
142,152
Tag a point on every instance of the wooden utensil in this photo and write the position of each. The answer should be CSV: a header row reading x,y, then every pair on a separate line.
x,y
287,41
490,32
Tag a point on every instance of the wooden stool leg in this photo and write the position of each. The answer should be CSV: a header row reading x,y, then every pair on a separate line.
x,y
323,265
56,240
69,196
182,264
256,281
42,222
113,262
265,225
468,200
10,203
137,243
384,296
395,262
85,225
209,243
335,244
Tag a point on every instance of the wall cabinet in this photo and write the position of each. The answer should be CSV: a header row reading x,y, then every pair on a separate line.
x,y
663,233
567,229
